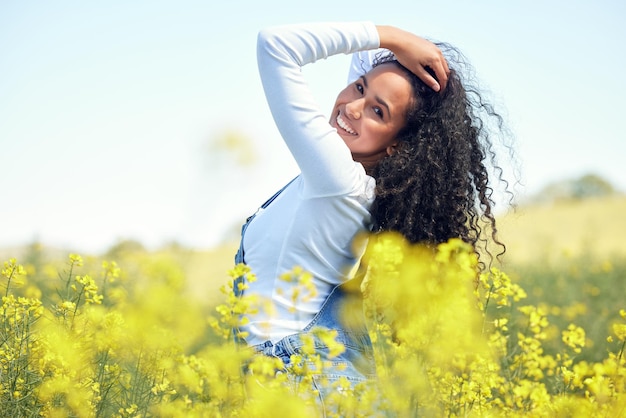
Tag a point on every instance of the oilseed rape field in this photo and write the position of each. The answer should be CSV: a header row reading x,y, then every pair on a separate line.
x,y
139,334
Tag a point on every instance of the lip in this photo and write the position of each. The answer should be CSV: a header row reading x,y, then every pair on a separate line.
x,y
347,127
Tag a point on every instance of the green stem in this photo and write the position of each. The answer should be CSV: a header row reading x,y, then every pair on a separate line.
x,y
621,351
486,305
82,290
13,267
69,279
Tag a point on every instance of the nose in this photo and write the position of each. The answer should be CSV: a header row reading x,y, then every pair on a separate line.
x,y
354,108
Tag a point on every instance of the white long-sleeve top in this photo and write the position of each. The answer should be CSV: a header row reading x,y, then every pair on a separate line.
x,y
313,222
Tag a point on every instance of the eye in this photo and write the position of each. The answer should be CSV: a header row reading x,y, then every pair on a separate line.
x,y
378,112
359,87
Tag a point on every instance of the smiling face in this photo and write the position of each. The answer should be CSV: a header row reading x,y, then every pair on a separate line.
x,y
369,113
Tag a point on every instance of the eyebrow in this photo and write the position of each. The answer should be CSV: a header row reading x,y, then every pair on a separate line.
x,y
378,99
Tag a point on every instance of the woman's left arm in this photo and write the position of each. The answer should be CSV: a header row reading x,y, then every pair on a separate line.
x,y
324,159
416,54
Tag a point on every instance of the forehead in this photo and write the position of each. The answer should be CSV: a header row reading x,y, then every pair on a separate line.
x,y
388,72
391,84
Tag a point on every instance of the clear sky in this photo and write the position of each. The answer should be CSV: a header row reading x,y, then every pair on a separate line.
x,y
113,114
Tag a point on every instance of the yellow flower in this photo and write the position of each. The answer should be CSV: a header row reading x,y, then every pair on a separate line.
x,y
111,272
76,260
620,331
574,337
67,306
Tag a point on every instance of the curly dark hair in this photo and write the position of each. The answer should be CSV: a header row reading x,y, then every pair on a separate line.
x,y
435,186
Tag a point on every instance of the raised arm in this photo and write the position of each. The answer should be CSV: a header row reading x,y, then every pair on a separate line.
x,y
321,154
416,54
413,52
324,159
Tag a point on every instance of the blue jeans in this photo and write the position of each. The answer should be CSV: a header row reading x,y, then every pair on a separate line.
x,y
351,332
342,311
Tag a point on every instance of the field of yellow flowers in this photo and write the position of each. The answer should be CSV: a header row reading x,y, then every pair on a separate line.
x,y
88,338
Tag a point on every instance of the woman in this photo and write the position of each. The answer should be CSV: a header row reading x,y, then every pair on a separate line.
x,y
400,152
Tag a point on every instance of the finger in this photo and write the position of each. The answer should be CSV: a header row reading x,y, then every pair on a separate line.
x,y
445,65
441,70
446,69
430,81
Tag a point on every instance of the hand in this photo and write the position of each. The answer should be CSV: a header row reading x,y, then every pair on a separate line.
x,y
416,54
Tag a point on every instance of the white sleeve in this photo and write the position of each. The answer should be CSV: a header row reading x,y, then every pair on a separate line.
x,y
324,159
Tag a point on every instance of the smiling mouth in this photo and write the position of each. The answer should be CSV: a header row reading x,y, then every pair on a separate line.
x,y
343,125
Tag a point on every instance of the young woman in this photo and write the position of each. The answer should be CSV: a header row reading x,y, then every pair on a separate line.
x,y
401,151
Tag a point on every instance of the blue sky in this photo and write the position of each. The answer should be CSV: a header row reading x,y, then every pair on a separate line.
x,y
111,113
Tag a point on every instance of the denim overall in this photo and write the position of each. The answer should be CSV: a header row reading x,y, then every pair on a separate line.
x,y
341,311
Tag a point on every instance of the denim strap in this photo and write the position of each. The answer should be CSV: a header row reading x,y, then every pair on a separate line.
x,y
239,257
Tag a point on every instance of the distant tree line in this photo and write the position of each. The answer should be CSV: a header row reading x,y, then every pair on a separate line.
x,y
586,186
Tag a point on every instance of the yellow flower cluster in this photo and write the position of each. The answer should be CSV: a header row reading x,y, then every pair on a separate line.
x,y
445,340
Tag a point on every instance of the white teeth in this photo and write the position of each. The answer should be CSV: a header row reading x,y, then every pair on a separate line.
x,y
344,125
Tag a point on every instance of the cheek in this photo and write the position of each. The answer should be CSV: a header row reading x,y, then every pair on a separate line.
x,y
386,133
341,96
346,95
376,137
